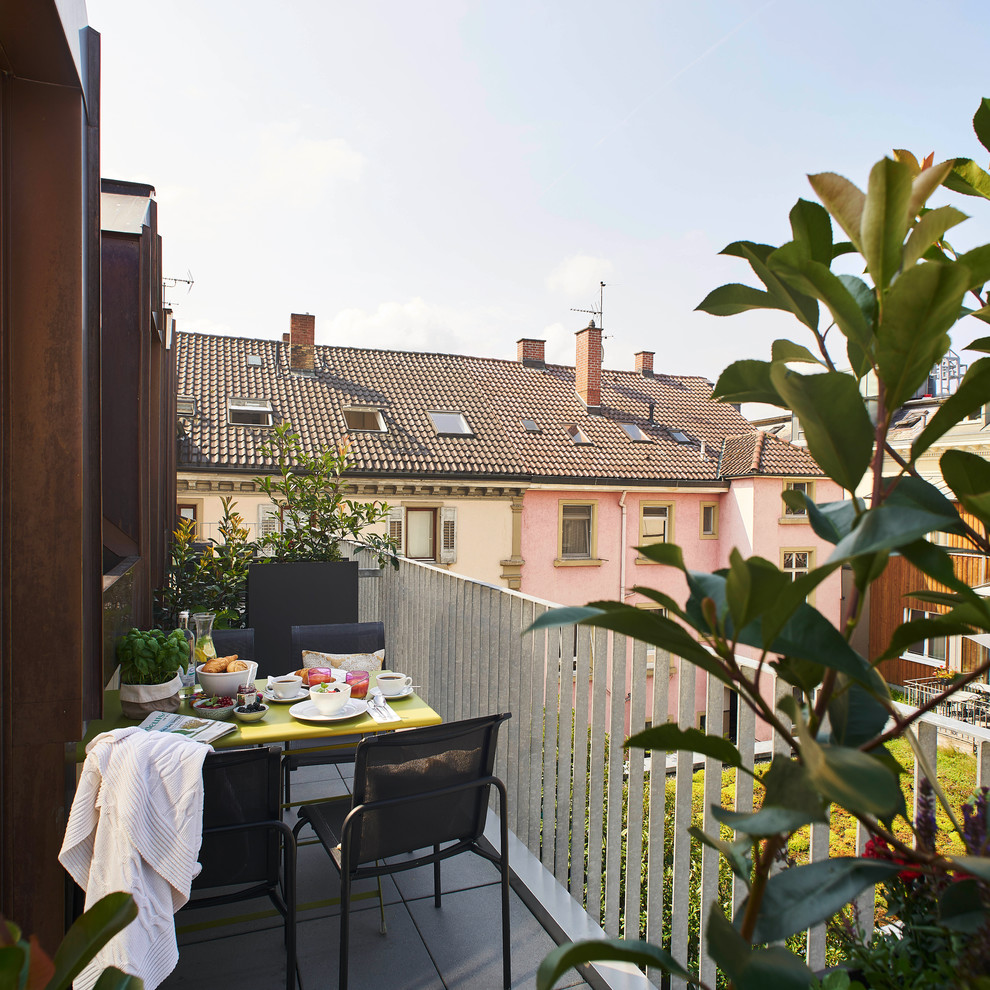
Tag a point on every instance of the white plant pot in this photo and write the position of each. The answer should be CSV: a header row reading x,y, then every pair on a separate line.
x,y
138,700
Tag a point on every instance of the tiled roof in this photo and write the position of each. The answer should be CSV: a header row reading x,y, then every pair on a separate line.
x,y
493,395
764,453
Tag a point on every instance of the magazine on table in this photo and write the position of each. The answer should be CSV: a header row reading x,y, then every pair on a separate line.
x,y
200,729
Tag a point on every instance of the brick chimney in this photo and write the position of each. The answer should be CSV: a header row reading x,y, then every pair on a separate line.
x,y
644,363
531,353
302,339
588,367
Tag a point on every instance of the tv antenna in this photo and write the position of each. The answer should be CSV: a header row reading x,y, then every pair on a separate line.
x,y
168,282
601,303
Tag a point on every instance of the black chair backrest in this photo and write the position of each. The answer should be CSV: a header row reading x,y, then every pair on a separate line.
x,y
242,786
239,641
398,764
340,637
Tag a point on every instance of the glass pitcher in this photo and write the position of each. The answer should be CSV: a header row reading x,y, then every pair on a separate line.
x,y
205,650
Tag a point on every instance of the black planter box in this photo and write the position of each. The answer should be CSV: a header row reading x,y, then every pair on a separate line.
x,y
296,593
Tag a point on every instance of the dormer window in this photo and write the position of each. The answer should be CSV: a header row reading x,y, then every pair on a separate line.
x,y
185,405
249,412
577,435
365,419
634,433
450,423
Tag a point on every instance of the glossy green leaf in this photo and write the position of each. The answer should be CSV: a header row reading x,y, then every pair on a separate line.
x,y
752,588
843,247
88,934
972,393
854,714
960,907
670,738
968,178
802,896
787,350
925,183
980,314
980,344
800,305
733,298
936,562
814,279
569,615
981,123
747,381
803,674
13,959
836,426
851,778
844,201
669,554
885,219
928,230
662,599
833,520
968,475
902,155
919,308
978,866
977,262
737,854
909,633
810,224
573,954
914,509
749,968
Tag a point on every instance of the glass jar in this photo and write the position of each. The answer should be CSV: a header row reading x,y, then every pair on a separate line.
x,y
188,678
205,650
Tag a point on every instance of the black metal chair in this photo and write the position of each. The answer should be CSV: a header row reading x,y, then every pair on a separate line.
x,y
241,642
343,637
422,789
247,849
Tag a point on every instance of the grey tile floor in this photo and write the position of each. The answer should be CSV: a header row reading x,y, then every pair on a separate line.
x,y
457,947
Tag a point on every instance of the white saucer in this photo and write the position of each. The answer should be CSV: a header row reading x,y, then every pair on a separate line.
x,y
269,695
308,711
404,693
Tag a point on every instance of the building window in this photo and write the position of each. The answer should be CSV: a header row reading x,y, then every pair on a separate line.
x,y
934,650
680,436
577,435
254,360
249,412
450,423
185,405
634,433
808,487
656,523
709,520
797,563
421,534
188,511
531,426
577,531
364,419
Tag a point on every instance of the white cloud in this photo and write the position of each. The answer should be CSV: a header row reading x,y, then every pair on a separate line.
x,y
579,275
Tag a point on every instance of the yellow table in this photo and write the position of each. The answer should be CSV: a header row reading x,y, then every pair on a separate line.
x,y
278,726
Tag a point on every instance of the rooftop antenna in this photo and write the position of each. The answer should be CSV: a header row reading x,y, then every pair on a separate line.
x,y
169,282
596,312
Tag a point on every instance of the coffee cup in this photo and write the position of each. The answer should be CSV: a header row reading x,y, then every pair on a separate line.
x,y
392,684
286,686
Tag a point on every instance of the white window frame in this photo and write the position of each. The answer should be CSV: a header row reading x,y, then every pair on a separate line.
x,y
447,535
463,430
364,411
925,656
269,521
185,406
260,407
573,559
807,485
668,529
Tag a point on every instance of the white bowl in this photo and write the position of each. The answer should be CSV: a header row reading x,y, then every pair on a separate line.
x,y
330,702
251,716
225,683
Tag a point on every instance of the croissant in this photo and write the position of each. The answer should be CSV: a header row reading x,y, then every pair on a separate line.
x,y
236,665
219,664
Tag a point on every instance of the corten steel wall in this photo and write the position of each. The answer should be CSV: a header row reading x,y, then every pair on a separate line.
x,y
50,573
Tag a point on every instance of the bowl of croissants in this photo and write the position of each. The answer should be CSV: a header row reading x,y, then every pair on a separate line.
x,y
224,675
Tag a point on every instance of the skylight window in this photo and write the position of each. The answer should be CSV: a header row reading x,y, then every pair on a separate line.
x,y
450,423
185,405
577,435
634,433
680,437
531,426
249,412
365,419
254,360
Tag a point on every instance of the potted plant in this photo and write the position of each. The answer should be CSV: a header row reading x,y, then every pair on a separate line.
x,y
149,664
301,577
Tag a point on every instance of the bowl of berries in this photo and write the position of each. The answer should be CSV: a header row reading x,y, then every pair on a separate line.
x,y
251,713
217,706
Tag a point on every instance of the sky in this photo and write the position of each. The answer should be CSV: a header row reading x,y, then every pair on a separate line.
x,y
453,175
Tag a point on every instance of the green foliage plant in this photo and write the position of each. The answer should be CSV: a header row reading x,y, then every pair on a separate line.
x,y
883,330
24,965
309,491
151,656
210,577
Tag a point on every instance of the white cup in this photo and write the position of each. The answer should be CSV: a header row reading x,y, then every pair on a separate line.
x,y
287,686
392,684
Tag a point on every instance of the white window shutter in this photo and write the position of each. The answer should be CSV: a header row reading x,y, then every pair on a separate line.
x,y
448,535
269,520
396,526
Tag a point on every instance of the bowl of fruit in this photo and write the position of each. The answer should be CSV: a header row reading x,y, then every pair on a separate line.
x,y
329,698
251,713
217,706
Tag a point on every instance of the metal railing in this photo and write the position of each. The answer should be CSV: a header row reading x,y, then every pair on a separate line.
x,y
592,813
971,704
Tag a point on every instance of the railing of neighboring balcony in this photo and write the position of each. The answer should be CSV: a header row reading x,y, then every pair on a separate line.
x,y
462,640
